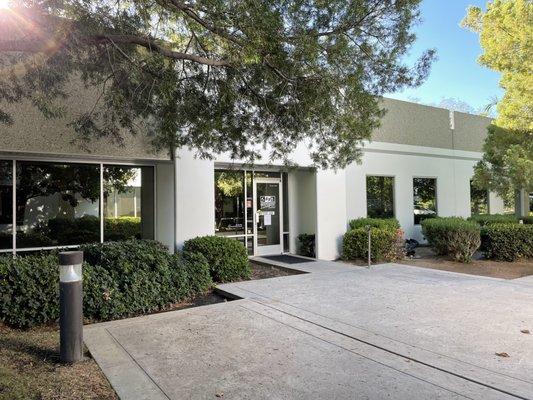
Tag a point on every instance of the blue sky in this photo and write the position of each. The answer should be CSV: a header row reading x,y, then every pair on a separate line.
x,y
456,74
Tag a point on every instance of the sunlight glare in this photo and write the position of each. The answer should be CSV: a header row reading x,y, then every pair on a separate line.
x,y
5,4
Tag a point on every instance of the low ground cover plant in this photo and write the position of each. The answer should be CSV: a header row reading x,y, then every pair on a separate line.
x,y
509,242
453,236
227,258
121,279
386,239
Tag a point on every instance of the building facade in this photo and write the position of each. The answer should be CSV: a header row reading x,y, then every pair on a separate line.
x,y
55,191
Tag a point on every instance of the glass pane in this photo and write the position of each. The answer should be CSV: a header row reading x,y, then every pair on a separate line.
x,y
425,198
380,196
128,202
285,202
266,174
6,205
57,204
229,202
249,204
267,214
479,200
250,245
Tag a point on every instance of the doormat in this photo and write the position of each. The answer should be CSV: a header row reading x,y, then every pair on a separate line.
x,y
287,259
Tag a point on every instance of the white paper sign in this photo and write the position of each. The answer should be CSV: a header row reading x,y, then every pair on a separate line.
x,y
268,219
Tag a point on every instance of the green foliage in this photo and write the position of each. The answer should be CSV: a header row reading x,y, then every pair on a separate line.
x,y
216,76
489,219
506,29
29,289
384,223
452,236
227,258
507,162
509,242
386,244
307,244
121,279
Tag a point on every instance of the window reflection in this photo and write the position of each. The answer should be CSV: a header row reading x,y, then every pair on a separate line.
x,y
229,202
128,202
57,204
6,205
425,198
380,196
479,200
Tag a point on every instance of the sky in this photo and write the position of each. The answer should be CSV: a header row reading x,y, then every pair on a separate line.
x,y
456,74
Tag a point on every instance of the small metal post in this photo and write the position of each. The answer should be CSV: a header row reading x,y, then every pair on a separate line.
x,y
70,306
369,230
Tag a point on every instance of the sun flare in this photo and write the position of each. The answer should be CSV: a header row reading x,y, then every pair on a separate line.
x,y
5,4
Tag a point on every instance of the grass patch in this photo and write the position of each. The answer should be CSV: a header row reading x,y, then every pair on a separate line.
x,y
30,369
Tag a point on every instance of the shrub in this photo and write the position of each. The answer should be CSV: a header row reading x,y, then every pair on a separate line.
x,y
384,223
528,220
386,244
227,258
488,219
121,279
29,289
307,244
509,242
452,236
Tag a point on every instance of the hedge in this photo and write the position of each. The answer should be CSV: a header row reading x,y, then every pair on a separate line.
x,y
488,219
453,236
509,242
385,223
227,258
121,279
385,244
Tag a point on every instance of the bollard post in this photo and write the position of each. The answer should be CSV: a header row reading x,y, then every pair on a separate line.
x,y
70,306
369,230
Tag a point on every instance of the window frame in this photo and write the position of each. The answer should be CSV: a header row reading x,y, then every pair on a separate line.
x,y
68,160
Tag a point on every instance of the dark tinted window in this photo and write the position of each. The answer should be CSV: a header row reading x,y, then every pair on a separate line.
x,y
424,198
380,196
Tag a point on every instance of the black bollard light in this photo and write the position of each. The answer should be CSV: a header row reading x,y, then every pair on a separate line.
x,y
369,232
70,306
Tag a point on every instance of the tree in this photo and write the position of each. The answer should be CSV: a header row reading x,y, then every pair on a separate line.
x,y
217,75
506,36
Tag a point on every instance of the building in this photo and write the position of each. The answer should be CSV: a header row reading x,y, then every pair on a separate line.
x,y
54,192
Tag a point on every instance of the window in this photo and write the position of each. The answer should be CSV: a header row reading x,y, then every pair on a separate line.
x,y
128,202
6,205
380,196
424,198
479,200
57,204
229,203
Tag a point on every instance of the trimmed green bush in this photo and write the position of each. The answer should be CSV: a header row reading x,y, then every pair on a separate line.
x,y
386,244
509,242
121,279
29,290
227,258
489,219
384,223
453,236
528,220
307,244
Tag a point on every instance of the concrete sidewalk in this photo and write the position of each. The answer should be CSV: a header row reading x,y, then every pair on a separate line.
x,y
339,332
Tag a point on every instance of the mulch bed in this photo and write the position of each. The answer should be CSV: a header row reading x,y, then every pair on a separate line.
x,y
261,271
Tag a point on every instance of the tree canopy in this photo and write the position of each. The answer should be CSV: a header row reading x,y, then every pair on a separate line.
x,y
216,75
506,36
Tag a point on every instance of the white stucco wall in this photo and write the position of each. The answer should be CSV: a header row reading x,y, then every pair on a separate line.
x,y
302,205
453,170
195,208
330,213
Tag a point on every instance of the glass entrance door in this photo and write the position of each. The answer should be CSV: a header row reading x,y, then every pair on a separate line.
x,y
267,211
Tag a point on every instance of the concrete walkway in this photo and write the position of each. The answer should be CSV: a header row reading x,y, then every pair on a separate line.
x,y
339,332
